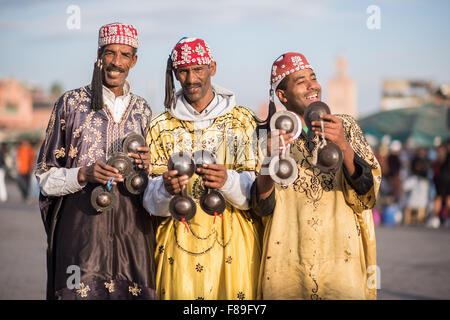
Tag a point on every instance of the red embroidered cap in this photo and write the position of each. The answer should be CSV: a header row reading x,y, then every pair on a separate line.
x,y
190,51
286,64
118,33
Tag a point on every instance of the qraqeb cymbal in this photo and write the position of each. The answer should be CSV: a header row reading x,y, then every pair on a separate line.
x,y
182,207
101,199
314,111
136,182
329,158
287,121
202,157
283,171
213,202
132,141
182,162
121,162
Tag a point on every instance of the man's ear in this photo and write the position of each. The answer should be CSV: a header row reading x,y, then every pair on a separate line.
x,y
213,67
281,94
133,63
99,53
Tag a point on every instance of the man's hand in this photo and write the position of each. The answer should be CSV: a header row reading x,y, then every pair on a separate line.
x,y
173,183
275,141
214,174
142,159
99,172
334,131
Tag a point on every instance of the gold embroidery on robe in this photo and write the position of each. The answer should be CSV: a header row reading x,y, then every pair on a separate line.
x,y
197,264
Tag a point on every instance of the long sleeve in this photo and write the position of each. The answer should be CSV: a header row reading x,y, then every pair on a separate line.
x,y
58,182
362,181
360,194
236,189
156,198
262,207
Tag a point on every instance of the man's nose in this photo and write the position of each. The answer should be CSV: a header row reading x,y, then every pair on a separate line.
x,y
312,85
116,61
190,77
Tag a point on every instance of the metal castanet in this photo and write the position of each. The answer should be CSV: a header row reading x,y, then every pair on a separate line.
x,y
212,201
182,162
314,111
132,141
328,157
102,199
182,207
121,162
136,182
282,168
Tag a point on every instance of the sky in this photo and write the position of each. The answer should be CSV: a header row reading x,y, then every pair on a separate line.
x,y
245,36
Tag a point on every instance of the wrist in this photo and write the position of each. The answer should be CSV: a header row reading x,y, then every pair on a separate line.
x,y
81,176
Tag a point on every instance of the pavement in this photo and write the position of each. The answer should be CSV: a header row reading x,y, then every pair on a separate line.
x,y
414,262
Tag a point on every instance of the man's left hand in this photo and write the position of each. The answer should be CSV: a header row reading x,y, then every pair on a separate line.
x,y
334,131
142,159
215,175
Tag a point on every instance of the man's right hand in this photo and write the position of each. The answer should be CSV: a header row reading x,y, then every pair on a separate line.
x,y
173,183
275,142
99,172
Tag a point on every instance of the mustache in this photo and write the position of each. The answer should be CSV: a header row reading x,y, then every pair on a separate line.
x,y
192,85
115,68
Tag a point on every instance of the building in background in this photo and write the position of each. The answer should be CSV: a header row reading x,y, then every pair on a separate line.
x,y
405,93
341,91
24,110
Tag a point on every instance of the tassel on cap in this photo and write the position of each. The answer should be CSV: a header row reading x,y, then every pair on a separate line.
x,y
169,98
96,86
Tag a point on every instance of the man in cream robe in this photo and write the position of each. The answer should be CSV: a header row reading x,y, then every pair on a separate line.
x,y
319,240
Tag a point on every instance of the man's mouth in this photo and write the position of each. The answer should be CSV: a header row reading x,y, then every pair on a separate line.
x,y
193,89
313,97
114,74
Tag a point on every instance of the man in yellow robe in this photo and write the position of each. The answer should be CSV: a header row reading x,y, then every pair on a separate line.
x,y
209,257
319,240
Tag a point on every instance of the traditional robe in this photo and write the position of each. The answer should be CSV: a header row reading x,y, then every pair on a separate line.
x,y
114,249
218,257
319,243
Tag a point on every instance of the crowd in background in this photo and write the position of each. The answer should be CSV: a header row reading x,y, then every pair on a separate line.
x,y
17,163
415,189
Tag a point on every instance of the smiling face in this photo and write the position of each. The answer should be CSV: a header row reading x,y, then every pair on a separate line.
x,y
117,59
298,90
195,80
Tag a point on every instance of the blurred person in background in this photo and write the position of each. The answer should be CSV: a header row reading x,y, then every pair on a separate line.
x,y
393,169
441,179
3,191
418,187
25,163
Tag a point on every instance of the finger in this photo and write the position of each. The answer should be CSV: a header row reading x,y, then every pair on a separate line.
x,y
143,149
209,172
107,168
99,171
215,167
172,173
213,185
330,117
104,178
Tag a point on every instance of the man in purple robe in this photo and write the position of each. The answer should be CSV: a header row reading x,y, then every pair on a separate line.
x,y
92,254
